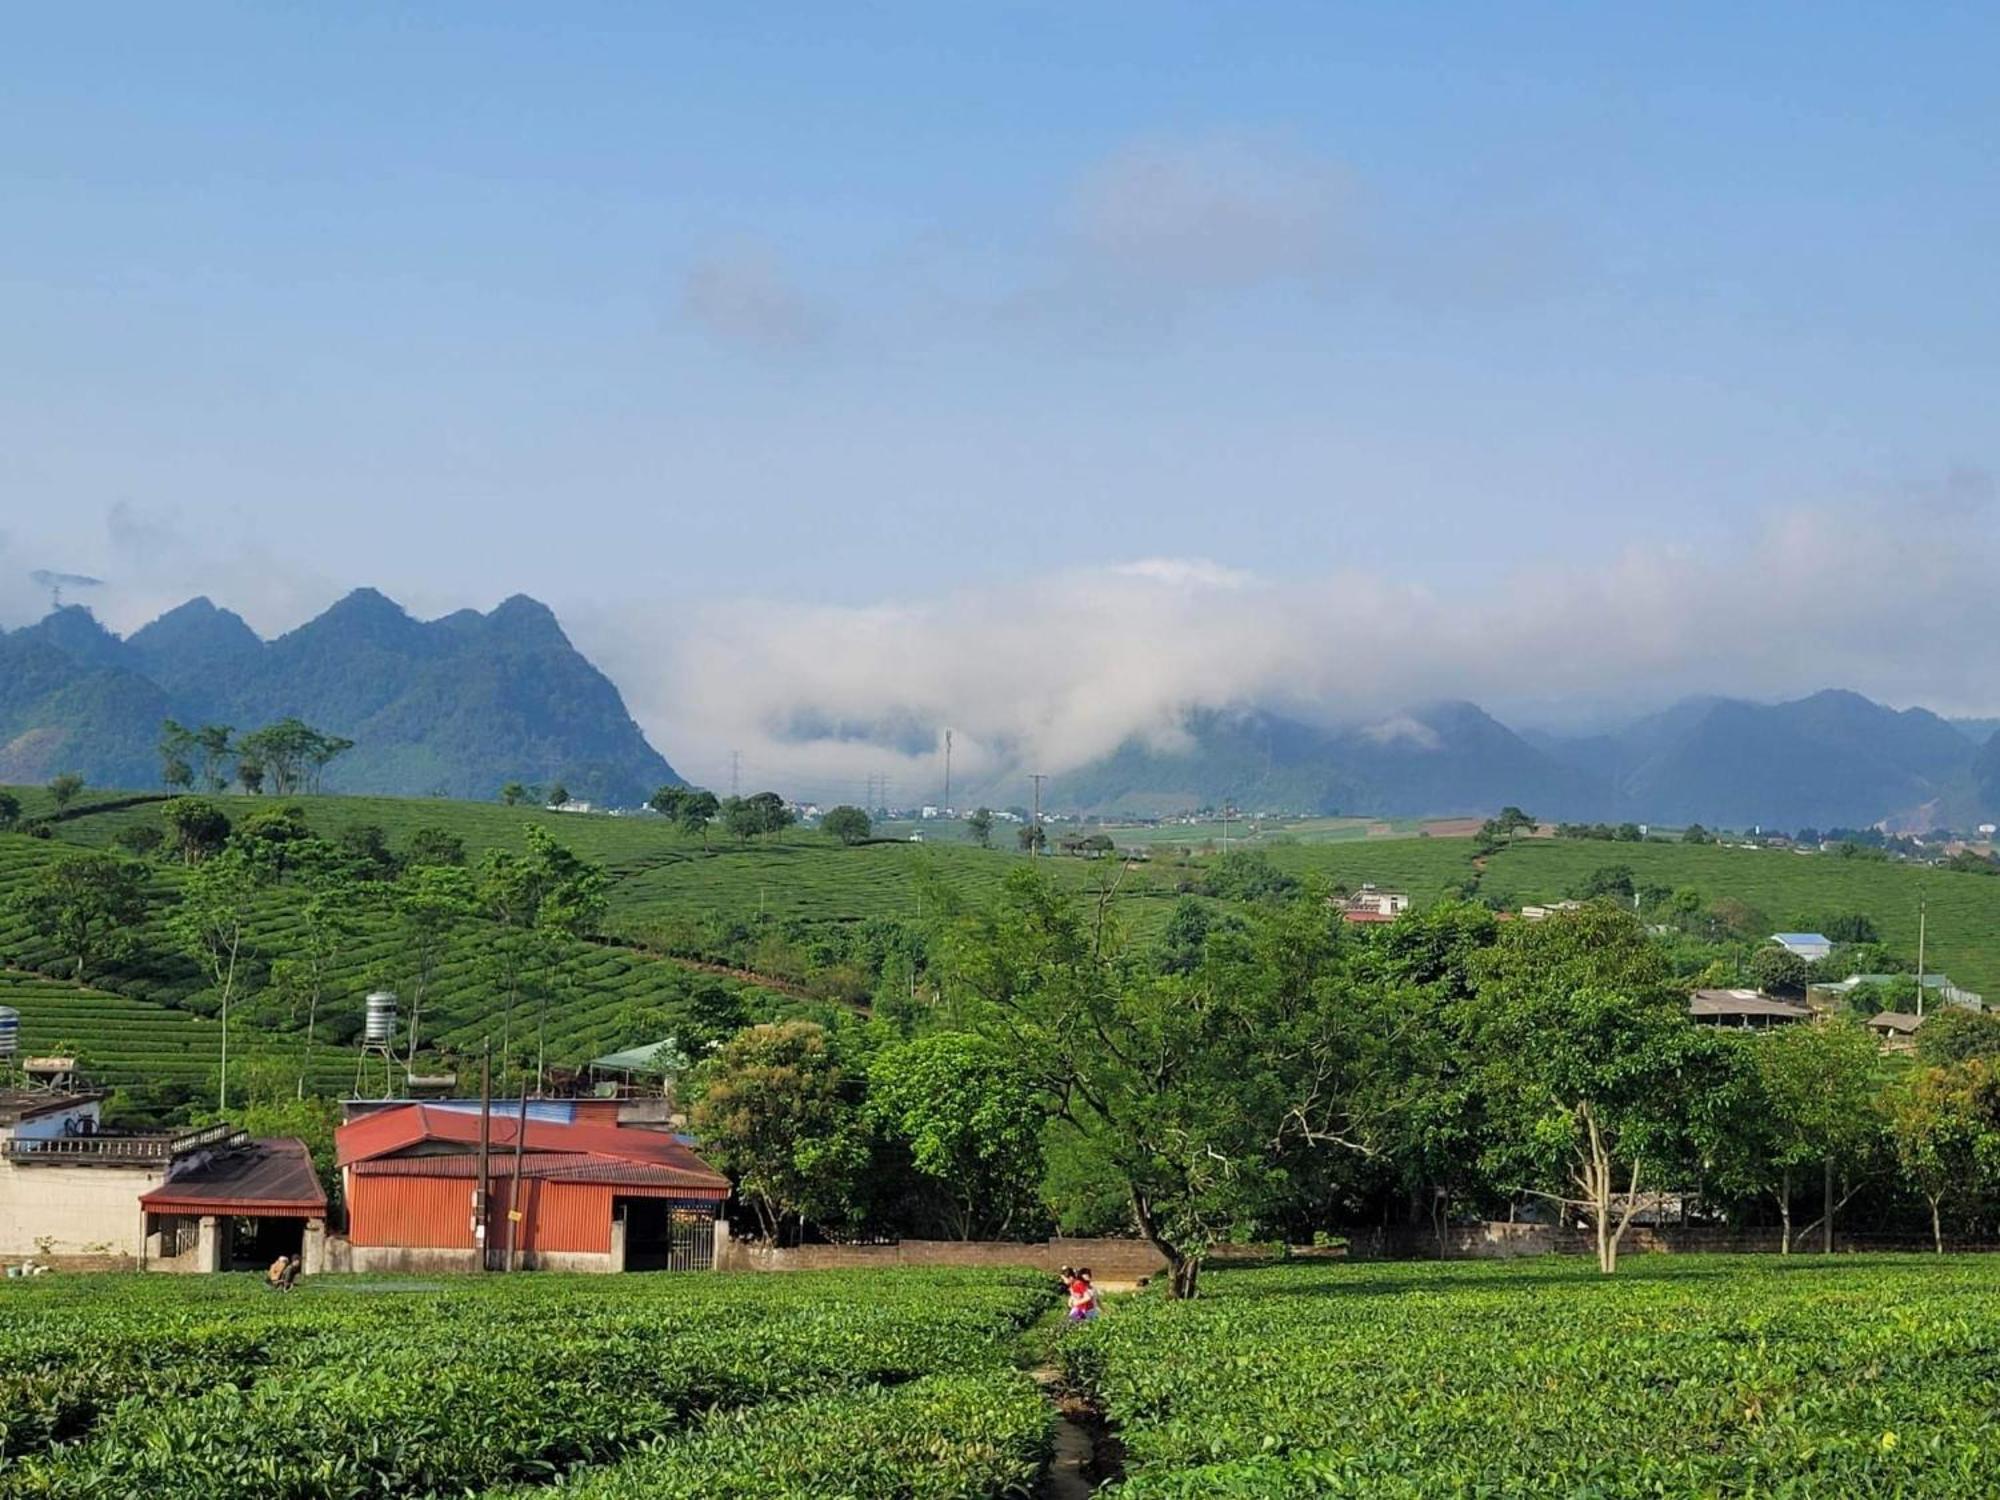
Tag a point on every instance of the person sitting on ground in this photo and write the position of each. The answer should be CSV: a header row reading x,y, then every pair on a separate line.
x,y
275,1277
292,1268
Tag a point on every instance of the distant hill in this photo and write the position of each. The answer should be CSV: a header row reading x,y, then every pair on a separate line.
x,y
1440,758
456,706
1832,759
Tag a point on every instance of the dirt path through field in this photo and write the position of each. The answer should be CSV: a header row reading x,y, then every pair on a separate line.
x,y
1082,1459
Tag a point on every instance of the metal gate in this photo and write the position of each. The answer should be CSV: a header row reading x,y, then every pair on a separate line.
x,y
691,1241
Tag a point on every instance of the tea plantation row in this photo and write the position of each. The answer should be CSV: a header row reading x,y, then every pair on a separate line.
x,y
1681,1376
796,1386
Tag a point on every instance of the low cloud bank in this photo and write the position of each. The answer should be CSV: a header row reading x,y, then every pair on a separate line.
x,y
1895,601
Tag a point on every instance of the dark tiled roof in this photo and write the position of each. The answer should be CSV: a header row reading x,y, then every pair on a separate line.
x,y
262,1179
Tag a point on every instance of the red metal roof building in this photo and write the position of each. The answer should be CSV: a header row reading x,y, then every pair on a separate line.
x,y
594,1196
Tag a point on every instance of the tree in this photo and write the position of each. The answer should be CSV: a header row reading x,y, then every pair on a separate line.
x,y
431,901
1188,1091
1032,838
273,839
176,755
1779,971
972,1123
760,813
538,898
250,772
87,905
139,839
212,926
1815,1106
558,795
1694,833
199,827
513,794
848,824
328,920
1615,882
211,742
10,810
1586,1065
1945,1126
1951,1035
64,789
980,827
292,754
777,1111
435,847
698,810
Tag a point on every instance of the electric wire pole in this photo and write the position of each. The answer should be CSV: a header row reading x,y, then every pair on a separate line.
x,y
736,773
1038,778
946,809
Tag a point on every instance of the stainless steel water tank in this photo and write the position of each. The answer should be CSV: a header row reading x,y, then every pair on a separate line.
x,y
379,1030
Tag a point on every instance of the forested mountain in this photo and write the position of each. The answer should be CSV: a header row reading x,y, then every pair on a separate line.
x,y
1832,759
457,705
1440,758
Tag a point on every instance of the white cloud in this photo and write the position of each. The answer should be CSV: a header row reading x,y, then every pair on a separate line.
x,y
1050,674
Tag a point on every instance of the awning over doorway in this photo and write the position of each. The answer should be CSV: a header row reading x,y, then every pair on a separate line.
x,y
260,1180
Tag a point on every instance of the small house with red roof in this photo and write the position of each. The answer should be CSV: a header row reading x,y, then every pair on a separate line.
x,y
592,1195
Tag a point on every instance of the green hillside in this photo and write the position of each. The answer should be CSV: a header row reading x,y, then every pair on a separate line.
x,y
699,940
1792,890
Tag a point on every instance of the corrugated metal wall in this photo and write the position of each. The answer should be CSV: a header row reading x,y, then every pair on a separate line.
x,y
436,1213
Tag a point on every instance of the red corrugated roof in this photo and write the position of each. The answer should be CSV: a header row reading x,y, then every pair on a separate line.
x,y
265,1179
376,1136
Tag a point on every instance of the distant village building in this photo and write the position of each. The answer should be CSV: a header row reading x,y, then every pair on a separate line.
x,y
1542,912
1811,946
594,1195
1897,1030
1371,904
572,806
1750,1009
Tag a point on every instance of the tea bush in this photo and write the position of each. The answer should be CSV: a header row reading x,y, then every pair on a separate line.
x,y
1682,1376
355,1388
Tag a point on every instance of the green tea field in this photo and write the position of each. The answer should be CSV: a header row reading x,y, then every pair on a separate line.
x,y
1681,1376
788,1387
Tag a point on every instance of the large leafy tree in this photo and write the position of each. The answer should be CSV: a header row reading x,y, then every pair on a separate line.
x,y
1189,1090
1590,1077
87,905
291,755
1814,1109
848,824
972,1121
198,826
1944,1124
779,1113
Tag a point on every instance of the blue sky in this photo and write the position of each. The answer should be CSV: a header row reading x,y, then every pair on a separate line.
x,y
707,326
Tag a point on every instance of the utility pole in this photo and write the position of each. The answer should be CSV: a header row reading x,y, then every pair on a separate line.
x,y
1038,778
1923,911
947,774
514,1210
479,1211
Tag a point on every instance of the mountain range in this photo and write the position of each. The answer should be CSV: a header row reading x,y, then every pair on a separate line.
x,y
455,706
1831,759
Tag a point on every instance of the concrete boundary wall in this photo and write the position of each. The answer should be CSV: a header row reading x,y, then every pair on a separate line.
x,y
1109,1260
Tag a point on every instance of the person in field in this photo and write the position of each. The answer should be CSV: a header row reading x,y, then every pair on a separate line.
x,y
1082,1296
275,1278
